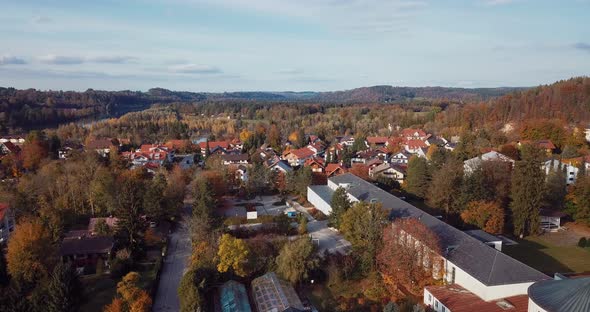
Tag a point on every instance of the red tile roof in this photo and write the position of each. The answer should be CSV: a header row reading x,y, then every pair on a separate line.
x,y
214,144
377,140
332,168
314,160
412,132
414,144
11,147
302,153
458,299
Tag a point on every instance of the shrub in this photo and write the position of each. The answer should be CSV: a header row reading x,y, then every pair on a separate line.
x,y
120,267
583,242
235,221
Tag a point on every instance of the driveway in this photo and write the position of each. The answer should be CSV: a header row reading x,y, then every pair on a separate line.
x,y
175,263
328,239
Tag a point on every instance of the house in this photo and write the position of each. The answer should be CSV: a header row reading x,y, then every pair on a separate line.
x,y
316,164
272,294
414,134
278,165
149,154
317,147
465,261
402,157
376,141
185,161
102,146
391,171
7,222
474,163
335,169
233,297
560,294
18,140
235,159
178,145
551,220
347,140
364,157
68,149
570,171
383,153
111,222
298,157
546,145
9,148
214,147
587,133
86,251
414,146
241,173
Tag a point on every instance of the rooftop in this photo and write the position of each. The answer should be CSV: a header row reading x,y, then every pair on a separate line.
x,y
86,245
488,265
568,295
234,298
275,295
457,299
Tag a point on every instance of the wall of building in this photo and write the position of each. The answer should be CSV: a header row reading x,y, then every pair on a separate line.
x,y
318,202
433,303
533,307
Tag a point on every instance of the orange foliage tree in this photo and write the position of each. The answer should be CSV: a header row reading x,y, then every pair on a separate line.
x,y
487,215
131,297
409,255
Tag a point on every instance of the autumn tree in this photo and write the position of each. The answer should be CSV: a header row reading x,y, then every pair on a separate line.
x,y
64,291
204,199
30,252
130,296
362,226
418,177
528,187
486,215
130,207
339,204
154,202
34,150
410,254
233,254
445,184
578,200
297,259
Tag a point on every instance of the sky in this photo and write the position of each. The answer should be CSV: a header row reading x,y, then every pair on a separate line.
x,y
290,45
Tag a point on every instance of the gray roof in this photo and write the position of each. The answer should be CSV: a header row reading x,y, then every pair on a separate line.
x,y
234,298
272,294
488,265
483,236
568,295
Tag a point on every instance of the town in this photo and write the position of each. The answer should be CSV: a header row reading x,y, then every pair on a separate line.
x,y
254,218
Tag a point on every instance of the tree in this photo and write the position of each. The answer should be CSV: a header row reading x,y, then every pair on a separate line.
x,y
131,297
296,260
418,178
33,152
204,203
64,291
233,254
102,228
391,307
528,186
4,278
362,226
30,251
129,208
302,225
556,190
445,184
339,204
154,203
486,215
188,293
409,255
578,200
299,180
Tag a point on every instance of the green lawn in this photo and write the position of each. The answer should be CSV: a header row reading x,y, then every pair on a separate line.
x,y
549,258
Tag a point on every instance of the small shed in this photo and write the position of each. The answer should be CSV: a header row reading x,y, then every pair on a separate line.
x,y
551,220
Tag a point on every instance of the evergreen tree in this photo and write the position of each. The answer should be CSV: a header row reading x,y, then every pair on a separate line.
x,y
154,203
205,202
64,290
445,185
418,178
528,187
339,204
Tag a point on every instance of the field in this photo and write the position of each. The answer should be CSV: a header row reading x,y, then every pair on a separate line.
x,y
551,253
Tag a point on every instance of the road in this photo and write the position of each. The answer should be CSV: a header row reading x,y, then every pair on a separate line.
x,y
175,263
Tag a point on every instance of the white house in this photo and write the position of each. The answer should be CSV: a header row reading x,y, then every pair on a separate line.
x,y
7,222
400,158
554,165
390,171
478,268
474,163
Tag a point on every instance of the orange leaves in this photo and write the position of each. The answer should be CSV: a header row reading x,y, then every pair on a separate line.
x,y
488,216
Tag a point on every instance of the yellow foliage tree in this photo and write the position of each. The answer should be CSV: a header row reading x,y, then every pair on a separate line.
x,y
132,298
233,253
30,253
245,135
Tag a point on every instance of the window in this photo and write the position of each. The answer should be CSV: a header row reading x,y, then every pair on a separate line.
x,y
436,304
444,309
429,298
452,276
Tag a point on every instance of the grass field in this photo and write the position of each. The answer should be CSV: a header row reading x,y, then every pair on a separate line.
x,y
550,258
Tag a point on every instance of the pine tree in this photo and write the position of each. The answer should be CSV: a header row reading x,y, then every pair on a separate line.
x,y
64,290
445,185
339,204
418,178
528,187
154,203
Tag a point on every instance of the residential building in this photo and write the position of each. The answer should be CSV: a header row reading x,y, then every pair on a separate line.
x,y
18,140
364,157
272,294
233,297
298,157
391,171
316,164
347,140
466,261
454,298
214,147
474,163
555,165
102,146
415,146
111,222
400,158
414,134
334,170
376,141
7,222
235,159
278,165
86,251
9,148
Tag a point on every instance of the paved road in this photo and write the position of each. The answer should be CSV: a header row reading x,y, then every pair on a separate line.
x,y
174,266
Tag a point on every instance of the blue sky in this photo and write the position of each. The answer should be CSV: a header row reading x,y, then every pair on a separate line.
x,y
276,45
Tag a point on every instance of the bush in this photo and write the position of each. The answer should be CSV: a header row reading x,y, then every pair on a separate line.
x,y
318,215
583,242
235,221
120,267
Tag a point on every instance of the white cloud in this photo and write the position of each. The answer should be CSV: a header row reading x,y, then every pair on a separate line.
x,y
111,59
195,69
61,59
41,20
497,2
